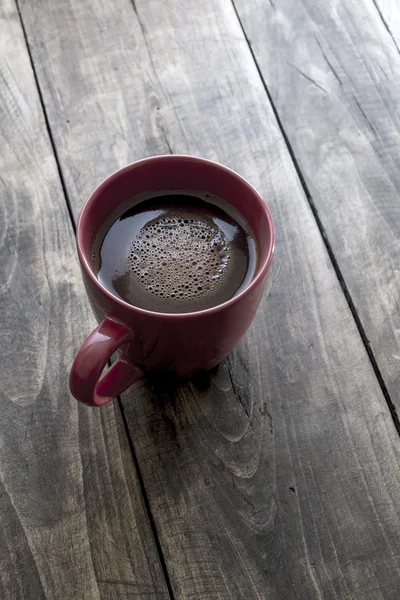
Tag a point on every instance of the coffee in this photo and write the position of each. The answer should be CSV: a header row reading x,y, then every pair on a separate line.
x,y
175,252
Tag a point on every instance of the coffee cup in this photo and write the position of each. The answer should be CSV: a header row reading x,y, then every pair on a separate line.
x,y
148,341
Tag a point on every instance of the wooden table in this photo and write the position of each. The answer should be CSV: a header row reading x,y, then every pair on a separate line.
x,y
279,476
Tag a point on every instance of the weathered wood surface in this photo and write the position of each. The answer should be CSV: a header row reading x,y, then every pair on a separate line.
x,y
276,477
72,524
333,72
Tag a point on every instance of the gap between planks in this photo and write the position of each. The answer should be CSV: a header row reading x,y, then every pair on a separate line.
x,y
46,120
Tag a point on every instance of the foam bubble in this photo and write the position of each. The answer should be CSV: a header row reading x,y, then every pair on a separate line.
x,y
181,259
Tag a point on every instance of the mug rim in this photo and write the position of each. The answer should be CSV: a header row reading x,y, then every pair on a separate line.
x,y
165,158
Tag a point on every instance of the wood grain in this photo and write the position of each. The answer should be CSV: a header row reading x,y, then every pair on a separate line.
x,y
333,72
276,475
72,521
106,102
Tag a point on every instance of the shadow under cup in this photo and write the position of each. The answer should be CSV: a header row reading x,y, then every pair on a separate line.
x,y
185,342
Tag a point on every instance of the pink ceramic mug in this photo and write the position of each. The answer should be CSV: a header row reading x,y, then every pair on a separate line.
x,y
184,343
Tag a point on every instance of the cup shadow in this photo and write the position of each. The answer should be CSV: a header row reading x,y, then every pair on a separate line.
x,y
166,387
219,401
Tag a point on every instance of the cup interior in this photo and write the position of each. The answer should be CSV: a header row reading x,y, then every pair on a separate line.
x,y
174,172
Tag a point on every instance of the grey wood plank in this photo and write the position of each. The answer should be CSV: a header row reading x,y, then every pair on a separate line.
x,y
72,523
107,101
388,11
275,476
333,72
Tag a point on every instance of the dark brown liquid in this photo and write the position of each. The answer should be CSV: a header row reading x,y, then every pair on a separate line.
x,y
176,253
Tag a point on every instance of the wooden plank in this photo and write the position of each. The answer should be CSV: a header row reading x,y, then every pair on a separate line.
x,y
274,477
106,101
72,520
388,11
333,72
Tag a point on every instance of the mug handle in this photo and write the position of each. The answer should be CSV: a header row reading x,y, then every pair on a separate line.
x,y
85,381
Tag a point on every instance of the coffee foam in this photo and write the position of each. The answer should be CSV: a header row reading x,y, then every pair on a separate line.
x,y
198,246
